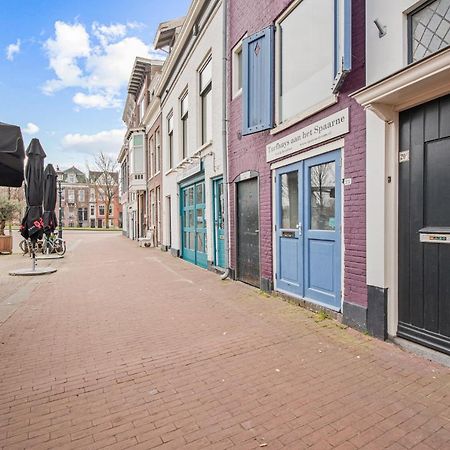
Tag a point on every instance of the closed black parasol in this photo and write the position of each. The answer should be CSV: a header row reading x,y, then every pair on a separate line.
x,y
50,222
32,224
12,155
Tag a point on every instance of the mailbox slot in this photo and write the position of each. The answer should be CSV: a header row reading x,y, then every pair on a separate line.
x,y
435,235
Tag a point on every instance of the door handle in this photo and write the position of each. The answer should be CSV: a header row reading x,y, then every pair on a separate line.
x,y
256,231
299,228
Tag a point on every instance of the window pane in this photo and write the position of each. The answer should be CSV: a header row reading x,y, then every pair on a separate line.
x,y
201,242
191,242
289,200
185,136
307,65
200,218
323,189
184,105
207,116
430,29
138,139
199,196
205,76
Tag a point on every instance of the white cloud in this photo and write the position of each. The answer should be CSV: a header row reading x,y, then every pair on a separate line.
x,y
71,43
95,101
31,128
12,50
98,63
108,142
109,33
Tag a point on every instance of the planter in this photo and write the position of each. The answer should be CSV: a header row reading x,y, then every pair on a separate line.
x,y
6,244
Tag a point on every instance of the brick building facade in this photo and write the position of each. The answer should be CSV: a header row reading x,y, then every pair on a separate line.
x,y
247,155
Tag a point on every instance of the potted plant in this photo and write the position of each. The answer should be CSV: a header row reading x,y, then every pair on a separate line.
x,y
8,210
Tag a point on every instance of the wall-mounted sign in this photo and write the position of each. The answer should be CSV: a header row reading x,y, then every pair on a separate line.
x,y
323,130
193,169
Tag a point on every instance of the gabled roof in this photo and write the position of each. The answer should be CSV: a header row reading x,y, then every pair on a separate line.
x,y
95,175
80,176
166,32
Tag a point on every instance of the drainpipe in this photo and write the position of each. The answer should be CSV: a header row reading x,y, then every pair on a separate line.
x,y
225,140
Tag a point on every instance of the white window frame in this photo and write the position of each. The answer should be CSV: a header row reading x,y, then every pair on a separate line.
x,y
184,121
208,89
236,67
157,150
325,103
170,141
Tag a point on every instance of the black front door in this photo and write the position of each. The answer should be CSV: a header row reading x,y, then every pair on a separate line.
x,y
248,232
424,225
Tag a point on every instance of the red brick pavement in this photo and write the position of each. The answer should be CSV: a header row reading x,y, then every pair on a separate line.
x,y
130,348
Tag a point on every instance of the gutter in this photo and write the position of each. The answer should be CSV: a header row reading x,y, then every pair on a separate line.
x,y
225,140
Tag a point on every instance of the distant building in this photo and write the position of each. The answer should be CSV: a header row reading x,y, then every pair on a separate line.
x,y
98,201
83,201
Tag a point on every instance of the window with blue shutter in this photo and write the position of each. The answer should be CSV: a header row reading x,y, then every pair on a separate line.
x,y
258,81
343,41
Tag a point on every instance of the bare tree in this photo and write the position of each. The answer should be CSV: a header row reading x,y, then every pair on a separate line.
x,y
105,180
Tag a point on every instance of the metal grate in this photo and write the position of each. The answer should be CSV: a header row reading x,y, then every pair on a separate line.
x,y
429,29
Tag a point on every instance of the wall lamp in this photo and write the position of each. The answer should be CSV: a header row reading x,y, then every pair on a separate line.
x,y
381,29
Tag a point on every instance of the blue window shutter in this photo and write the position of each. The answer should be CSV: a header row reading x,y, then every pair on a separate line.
x,y
343,41
258,81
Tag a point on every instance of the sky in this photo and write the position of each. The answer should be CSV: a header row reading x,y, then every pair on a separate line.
x,y
65,66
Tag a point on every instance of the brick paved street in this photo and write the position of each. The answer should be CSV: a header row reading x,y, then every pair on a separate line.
x,y
131,348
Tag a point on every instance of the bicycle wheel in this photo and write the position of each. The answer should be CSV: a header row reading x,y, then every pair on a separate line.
x,y
60,246
23,245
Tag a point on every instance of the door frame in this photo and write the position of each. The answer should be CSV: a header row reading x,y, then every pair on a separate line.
x,y
303,166
244,176
338,144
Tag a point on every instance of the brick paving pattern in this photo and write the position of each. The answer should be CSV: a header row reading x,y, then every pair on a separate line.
x,y
131,348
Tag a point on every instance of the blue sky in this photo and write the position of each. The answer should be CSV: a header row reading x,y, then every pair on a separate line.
x,y
64,68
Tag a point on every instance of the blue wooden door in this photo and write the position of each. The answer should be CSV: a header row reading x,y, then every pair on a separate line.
x,y
322,229
308,229
289,229
219,242
194,224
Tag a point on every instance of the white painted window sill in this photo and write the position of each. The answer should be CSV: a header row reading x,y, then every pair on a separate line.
x,y
332,100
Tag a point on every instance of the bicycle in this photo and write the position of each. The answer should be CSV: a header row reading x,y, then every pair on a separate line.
x,y
25,246
53,244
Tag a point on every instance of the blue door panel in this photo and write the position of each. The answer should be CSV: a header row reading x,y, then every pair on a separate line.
x,y
289,272
321,266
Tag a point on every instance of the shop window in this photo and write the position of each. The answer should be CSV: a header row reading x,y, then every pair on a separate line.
x,y
429,29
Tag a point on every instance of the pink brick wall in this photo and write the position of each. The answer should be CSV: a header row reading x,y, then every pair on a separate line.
x,y
248,152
